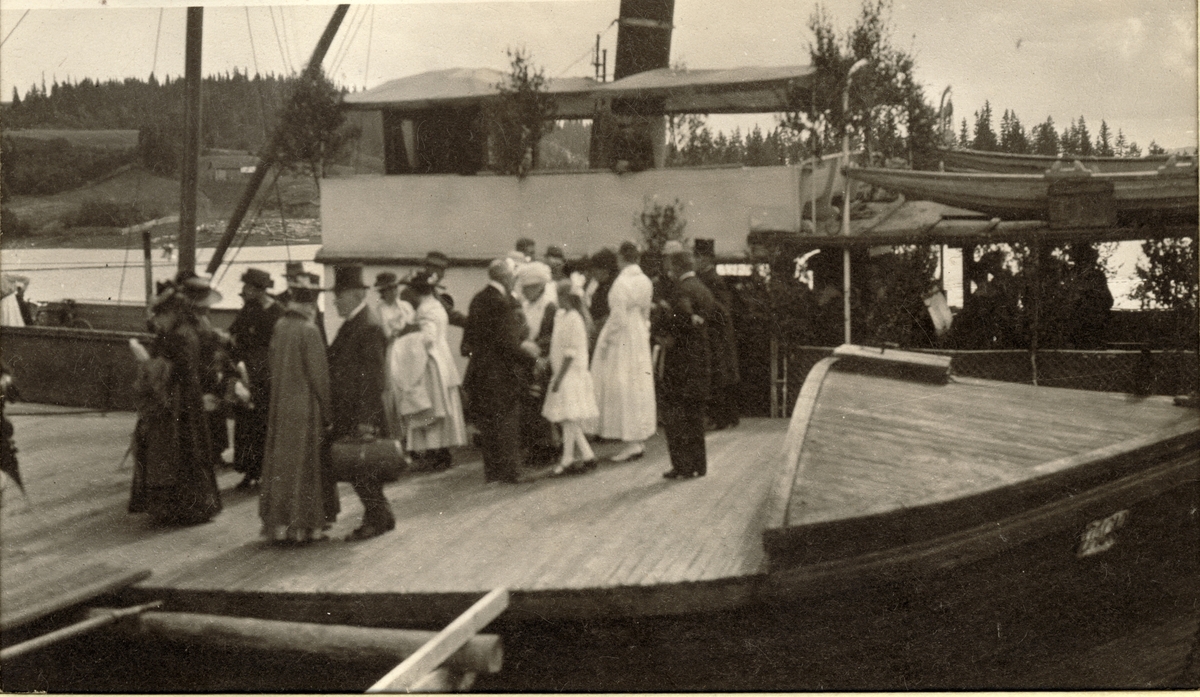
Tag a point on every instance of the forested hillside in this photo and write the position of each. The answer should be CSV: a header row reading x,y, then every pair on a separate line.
x,y
239,110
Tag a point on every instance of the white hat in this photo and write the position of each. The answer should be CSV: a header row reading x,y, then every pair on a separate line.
x,y
533,273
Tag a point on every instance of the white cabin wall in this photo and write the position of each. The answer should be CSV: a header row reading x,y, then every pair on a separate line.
x,y
480,217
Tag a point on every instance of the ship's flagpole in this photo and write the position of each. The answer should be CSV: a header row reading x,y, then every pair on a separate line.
x,y
272,150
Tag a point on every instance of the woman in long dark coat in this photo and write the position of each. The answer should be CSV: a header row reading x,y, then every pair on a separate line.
x,y
173,478
298,497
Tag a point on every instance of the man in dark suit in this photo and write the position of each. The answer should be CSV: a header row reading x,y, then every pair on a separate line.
x,y
500,358
251,333
356,382
681,327
722,340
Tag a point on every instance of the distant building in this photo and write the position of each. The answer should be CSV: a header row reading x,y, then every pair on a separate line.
x,y
227,167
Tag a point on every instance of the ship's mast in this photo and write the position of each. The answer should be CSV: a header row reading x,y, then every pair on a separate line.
x,y
189,169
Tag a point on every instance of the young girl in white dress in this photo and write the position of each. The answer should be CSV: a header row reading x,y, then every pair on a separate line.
x,y
571,398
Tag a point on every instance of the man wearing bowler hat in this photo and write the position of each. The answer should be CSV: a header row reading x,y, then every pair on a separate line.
x,y
356,382
251,333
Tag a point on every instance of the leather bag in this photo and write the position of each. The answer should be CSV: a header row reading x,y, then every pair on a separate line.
x,y
366,459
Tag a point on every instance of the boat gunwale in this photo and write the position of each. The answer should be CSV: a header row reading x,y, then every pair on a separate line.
x,y
944,553
828,540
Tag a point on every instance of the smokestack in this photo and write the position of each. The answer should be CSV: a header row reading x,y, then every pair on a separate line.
x,y
632,134
643,36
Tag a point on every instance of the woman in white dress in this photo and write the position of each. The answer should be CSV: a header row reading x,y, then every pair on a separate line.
x,y
621,365
397,318
432,431
571,399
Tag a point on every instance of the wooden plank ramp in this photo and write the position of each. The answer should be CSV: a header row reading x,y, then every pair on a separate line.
x,y
619,541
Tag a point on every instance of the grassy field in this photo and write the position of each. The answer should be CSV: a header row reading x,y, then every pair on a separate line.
x,y
112,139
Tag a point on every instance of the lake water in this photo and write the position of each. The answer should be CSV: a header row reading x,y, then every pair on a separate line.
x,y
115,275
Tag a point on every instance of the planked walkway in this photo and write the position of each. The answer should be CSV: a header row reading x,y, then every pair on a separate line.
x,y
612,541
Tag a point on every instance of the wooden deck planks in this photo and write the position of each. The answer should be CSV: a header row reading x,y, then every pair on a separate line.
x,y
622,525
875,445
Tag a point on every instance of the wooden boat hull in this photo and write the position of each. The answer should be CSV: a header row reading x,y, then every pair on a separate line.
x,y
1060,578
1009,163
1169,194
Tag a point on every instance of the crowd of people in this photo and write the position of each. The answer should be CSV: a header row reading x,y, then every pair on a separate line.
x,y
559,352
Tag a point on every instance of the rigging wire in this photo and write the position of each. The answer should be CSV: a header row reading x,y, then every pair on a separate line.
x,y
350,44
10,31
262,201
282,219
157,36
278,41
137,192
588,52
250,31
262,109
342,35
370,33
286,43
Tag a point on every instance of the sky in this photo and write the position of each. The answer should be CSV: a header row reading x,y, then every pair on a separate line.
x,y
1131,63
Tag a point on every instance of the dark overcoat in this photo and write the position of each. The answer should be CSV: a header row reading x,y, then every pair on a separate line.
x,y
497,373
687,361
356,379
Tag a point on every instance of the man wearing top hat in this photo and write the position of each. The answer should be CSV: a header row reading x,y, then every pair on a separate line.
x,y
292,271
251,333
722,339
356,377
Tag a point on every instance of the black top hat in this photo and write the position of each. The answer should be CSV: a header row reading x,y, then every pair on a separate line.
x,y
305,281
347,278
292,268
437,259
704,248
258,278
555,252
386,280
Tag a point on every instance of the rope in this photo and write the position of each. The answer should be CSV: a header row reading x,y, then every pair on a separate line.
x,y
10,31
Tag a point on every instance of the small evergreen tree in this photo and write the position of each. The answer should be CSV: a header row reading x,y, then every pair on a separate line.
x,y
520,117
985,137
1103,146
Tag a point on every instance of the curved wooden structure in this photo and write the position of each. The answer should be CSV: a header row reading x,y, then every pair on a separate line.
x,y
996,513
1165,192
1009,163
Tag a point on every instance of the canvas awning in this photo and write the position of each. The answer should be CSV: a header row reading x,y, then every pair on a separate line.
x,y
736,90
924,222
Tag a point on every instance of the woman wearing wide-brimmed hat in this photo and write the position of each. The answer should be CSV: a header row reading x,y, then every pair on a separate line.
x,y
432,431
173,479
